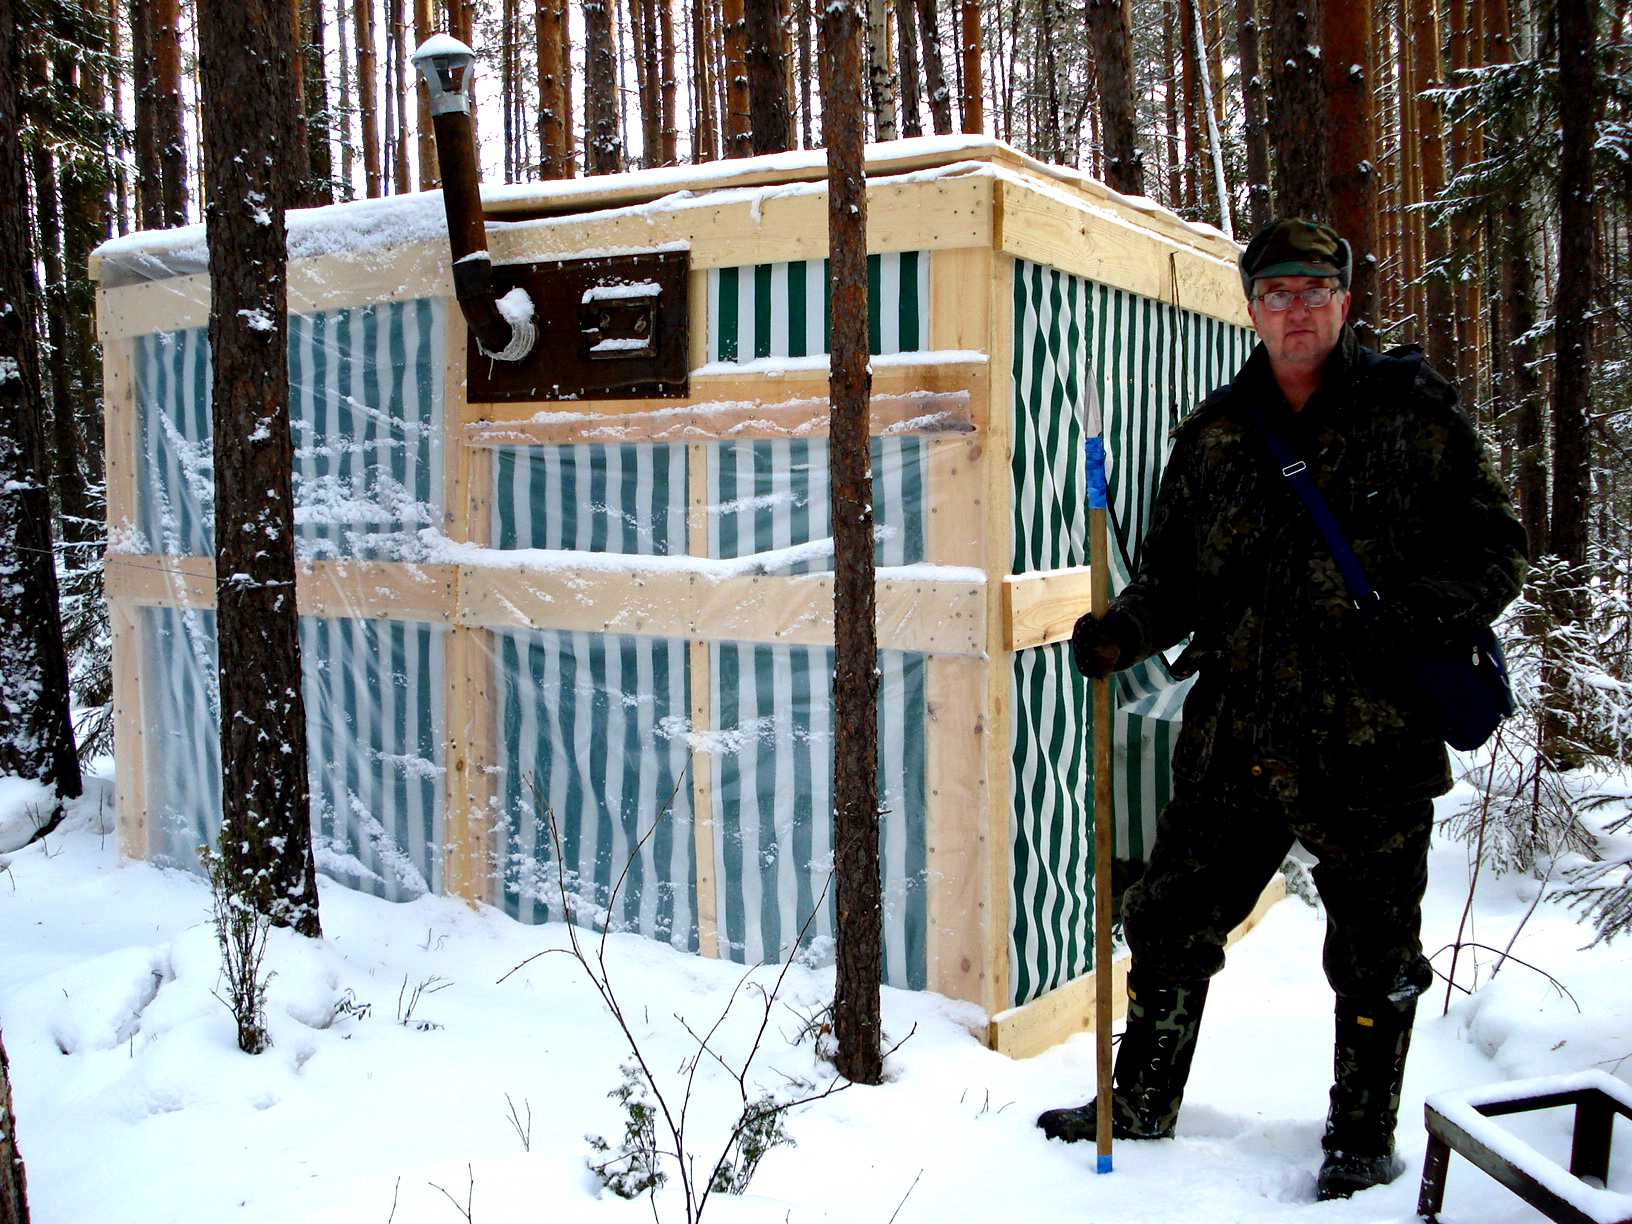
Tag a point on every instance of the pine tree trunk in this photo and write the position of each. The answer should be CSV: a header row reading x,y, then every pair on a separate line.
x,y
880,82
705,146
297,189
67,473
86,224
1521,381
1439,323
549,24
670,86
348,155
367,107
507,85
116,87
1577,259
36,736
974,113
601,90
1170,93
1350,175
164,31
1257,122
1466,229
144,103
1192,110
807,135
767,82
1411,261
739,121
906,30
13,1176
1112,45
859,928
315,79
929,39
1298,111
248,72
425,133
397,33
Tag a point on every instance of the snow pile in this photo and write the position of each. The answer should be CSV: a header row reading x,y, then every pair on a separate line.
x,y
372,1101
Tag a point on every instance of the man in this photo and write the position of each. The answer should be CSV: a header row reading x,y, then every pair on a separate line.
x,y
1296,727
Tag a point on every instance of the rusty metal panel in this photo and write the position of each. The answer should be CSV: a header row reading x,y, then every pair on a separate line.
x,y
612,327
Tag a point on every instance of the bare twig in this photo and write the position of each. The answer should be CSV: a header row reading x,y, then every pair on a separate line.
x,y
1557,985
525,1133
904,1198
470,1193
394,1191
1478,862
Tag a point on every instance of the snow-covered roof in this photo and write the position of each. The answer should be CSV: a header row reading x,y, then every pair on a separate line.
x,y
395,221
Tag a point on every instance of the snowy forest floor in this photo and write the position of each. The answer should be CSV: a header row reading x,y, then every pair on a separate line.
x,y
135,1106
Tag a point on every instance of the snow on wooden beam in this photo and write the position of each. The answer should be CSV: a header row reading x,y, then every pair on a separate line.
x,y
916,613
928,397
371,589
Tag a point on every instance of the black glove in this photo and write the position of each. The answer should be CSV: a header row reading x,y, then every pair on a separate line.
x,y
1095,646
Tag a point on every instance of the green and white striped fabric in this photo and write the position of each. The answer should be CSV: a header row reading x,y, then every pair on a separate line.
x,y
1051,831
591,498
773,805
1154,364
1148,364
767,497
374,734
592,729
782,309
366,418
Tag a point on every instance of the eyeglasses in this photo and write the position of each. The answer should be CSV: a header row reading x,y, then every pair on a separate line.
x,y
1314,299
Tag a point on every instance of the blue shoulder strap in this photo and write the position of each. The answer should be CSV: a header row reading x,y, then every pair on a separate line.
x,y
1296,471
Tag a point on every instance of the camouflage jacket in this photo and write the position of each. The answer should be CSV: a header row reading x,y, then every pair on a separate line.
x,y
1294,685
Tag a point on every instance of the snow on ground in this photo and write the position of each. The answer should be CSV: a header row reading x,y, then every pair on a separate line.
x,y
135,1106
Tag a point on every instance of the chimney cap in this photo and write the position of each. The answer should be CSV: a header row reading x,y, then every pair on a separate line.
x,y
444,63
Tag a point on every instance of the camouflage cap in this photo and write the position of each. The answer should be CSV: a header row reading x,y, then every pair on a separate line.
x,y
1295,247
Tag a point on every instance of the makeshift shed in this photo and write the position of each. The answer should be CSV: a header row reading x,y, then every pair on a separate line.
x,y
597,584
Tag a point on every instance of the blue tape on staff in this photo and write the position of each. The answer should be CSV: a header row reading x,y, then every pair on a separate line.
x,y
1096,472
1104,1164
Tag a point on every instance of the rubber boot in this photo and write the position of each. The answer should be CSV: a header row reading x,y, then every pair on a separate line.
x,y
1152,1065
1368,1069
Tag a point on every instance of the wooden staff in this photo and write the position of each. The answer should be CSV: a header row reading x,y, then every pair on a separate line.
x,y
1099,601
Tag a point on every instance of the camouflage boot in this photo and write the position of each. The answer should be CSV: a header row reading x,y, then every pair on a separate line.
x,y
1152,1065
1369,1067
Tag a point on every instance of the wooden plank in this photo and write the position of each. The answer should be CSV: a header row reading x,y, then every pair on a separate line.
x,y
1021,1032
383,590
998,497
395,273
129,736
960,320
928,397
466,662
930,616
769,227
956,835
1042,607
1113,250
914,414
702,703
702,805
119,436
1065,1011
457,475
169,582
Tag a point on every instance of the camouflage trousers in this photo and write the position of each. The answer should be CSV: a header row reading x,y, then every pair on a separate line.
x,y
1215,851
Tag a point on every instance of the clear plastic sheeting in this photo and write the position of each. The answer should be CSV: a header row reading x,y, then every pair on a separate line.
x,y
374,734
592,782
596,747
366,419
